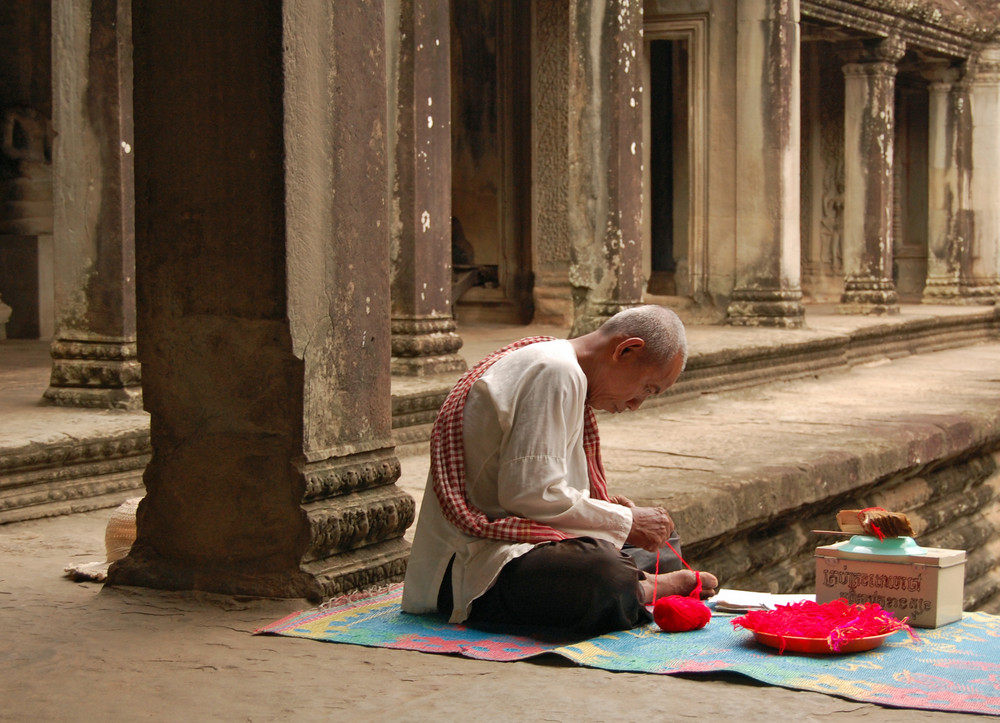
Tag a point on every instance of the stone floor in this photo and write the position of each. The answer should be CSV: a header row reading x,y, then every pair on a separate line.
x,y
75,651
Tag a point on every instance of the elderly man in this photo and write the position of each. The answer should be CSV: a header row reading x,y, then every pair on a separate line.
x,y
516,525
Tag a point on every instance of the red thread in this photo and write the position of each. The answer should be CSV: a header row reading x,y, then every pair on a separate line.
x,y
656,574
837,621
874,528
683,561
680,613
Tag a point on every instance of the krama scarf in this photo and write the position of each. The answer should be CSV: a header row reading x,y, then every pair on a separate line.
x,y
448,464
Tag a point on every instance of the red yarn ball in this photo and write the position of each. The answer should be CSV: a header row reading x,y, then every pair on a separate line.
x,y
680,613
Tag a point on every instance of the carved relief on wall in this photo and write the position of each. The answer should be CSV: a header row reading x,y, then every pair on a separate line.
x,y
822,162
550,136
831,223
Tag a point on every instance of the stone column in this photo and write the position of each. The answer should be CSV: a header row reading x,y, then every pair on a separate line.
x,y
94,346
949,168
605,159
983,282
263,262
423,326
768,290
869,127
550,232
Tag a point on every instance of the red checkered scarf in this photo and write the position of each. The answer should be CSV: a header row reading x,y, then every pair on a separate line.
x,y
448,464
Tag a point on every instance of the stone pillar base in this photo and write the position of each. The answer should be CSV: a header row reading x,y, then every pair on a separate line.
x,y
961,292
101,374
421,347
986,292
144,568
942,291
869,296
357,517
375,566
761,307
361,520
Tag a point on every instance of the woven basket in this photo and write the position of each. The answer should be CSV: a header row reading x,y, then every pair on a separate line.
x,y
120,532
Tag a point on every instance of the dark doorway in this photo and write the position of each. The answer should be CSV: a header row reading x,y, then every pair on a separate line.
x,y
668,156
491,171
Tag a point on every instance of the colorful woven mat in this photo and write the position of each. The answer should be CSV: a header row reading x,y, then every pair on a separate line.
x,y
952,668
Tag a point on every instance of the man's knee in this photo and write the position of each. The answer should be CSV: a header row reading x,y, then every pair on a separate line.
x,y
582,584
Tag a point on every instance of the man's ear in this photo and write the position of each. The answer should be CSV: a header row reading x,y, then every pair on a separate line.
x,y
628,347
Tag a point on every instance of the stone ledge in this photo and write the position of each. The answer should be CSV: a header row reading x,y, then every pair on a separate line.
x,y
736,504
71,475
80,444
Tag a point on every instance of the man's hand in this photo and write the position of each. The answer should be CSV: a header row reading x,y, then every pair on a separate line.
x,y
623,500
651,528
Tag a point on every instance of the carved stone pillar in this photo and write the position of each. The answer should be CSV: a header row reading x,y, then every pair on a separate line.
x,y
94,360
768,290
550,233
605,152
983,282
949,168
423,327
869,127
263,262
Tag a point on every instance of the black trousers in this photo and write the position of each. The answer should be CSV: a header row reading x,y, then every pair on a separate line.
x,y
581,587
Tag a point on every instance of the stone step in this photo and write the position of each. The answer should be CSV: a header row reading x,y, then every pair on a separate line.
x,y
723,357
56,460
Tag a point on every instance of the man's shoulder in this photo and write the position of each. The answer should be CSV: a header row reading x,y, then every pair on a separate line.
x,y
552,355
551,364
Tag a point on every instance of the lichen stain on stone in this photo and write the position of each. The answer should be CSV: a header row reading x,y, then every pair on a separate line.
x,y
777,78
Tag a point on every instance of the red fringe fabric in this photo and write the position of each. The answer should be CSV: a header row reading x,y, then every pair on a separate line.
x,y
837,621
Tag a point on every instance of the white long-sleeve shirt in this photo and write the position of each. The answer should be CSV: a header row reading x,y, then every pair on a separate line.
x,y
523,436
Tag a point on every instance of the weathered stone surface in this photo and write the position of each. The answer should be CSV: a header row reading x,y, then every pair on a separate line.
x,y
361,519
767,291
424,340
948,28
869,130
264,307
343,475
605,168
551,236
94,208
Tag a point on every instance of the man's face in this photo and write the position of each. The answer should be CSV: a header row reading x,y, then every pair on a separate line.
x,y
626,380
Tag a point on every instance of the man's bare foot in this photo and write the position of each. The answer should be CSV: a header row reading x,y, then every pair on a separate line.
x,y
681,582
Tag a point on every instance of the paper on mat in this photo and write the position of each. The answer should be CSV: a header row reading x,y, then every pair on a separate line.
x,y
741,601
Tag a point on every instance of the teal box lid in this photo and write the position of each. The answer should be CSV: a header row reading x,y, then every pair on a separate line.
x,y
891,549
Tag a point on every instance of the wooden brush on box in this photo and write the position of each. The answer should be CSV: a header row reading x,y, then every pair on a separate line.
x,y
876,522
